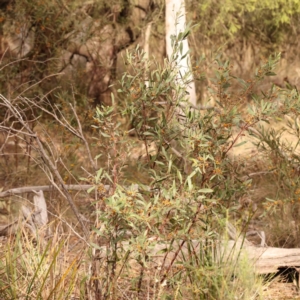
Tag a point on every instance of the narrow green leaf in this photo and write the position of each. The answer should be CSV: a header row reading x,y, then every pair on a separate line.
x,y
205,191
270,74
179,176
104,134
90,189
240,144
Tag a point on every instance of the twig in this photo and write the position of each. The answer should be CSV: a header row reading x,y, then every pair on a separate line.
x,y
70,227
46,160
82,137
47,188
37,83
260,173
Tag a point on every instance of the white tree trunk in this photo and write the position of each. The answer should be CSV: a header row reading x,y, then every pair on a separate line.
x,y
175,23
146,49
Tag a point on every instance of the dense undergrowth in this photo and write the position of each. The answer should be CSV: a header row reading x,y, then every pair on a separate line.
x,y
159,234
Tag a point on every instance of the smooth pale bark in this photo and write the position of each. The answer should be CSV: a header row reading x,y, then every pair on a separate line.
x,y
175,23
147,40
40,209
146,48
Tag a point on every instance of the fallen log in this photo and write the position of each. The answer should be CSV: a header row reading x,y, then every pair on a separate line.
x,y
268,260
265,260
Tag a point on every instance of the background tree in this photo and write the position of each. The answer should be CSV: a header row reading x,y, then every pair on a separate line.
x,y
176,24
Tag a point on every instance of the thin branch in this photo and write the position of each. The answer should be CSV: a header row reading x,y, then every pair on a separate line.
x,y
78,133
70,227
37,83
82,137
47,188
47,161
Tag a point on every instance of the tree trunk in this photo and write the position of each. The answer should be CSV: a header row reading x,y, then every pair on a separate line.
x,y
175,23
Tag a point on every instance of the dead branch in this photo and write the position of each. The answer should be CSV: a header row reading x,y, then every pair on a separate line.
x,y
47,161
47,188
82,137
65,124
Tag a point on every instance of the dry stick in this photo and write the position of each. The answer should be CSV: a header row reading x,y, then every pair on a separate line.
x,y
67,170
65,191
71,228
11,63
15,130
78,133
259,173
243,128
65,125
47,188
92,162
37,83
47,161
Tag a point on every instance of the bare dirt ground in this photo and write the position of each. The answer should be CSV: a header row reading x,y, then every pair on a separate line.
x,y
281,291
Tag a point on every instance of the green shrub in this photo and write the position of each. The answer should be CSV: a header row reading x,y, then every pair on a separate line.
x,y
192,188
